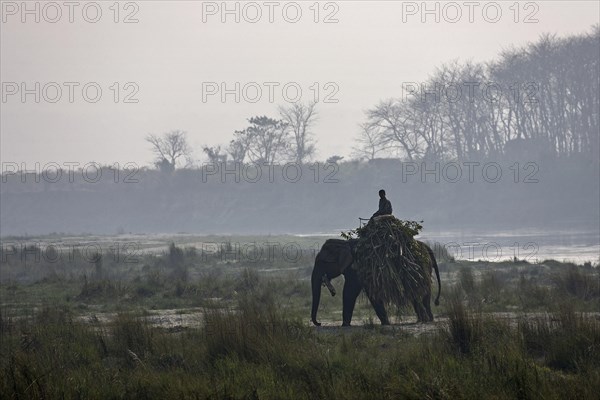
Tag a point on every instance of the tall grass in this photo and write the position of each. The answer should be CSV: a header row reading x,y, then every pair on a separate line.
x,y
565,340
579,282
255,350
464,327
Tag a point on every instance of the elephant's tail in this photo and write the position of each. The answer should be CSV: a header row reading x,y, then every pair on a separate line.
x,y
437,274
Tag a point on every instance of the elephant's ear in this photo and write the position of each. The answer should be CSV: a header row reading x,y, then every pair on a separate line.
x,y
328,254
345,258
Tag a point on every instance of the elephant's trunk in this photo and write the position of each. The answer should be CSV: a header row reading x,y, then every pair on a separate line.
x,y
315,281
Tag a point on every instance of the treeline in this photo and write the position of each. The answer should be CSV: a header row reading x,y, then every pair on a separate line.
x,y
539,100
542,98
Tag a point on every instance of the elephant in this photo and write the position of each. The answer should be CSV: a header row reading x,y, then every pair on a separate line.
x,y
334,259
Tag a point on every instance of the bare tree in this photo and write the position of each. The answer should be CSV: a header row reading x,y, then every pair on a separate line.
x,y
238,147
394,121
370,143
170,148
299,118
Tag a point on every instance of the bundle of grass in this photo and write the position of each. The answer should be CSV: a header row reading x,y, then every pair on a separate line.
x,y
390,262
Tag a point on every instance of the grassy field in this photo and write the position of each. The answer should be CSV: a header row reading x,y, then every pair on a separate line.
x,y
190,323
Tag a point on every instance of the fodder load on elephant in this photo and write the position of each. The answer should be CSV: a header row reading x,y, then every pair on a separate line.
x,y
389,261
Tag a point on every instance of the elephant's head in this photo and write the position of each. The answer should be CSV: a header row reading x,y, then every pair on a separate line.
x,y
335,256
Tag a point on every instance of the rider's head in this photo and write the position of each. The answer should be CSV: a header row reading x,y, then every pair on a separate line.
x,y
382,193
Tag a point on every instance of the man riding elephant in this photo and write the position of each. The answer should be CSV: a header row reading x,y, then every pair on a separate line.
x,y
385,206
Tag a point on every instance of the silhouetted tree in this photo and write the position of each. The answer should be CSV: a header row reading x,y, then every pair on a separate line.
x,y
215,154
267,139
170,148
370,143
545,93
299,119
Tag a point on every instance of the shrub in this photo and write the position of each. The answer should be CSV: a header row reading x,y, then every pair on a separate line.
x,y
464,328
577,282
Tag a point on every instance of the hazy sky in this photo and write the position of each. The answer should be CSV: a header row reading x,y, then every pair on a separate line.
x,y
175,49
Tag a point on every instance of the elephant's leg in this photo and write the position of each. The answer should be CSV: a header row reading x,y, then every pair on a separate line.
x,y
427,306
379,307
420,311
352,288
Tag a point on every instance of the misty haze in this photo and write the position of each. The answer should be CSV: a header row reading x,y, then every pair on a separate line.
x,y
343,199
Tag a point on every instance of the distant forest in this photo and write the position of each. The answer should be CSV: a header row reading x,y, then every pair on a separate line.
x,y
506,144
541,98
